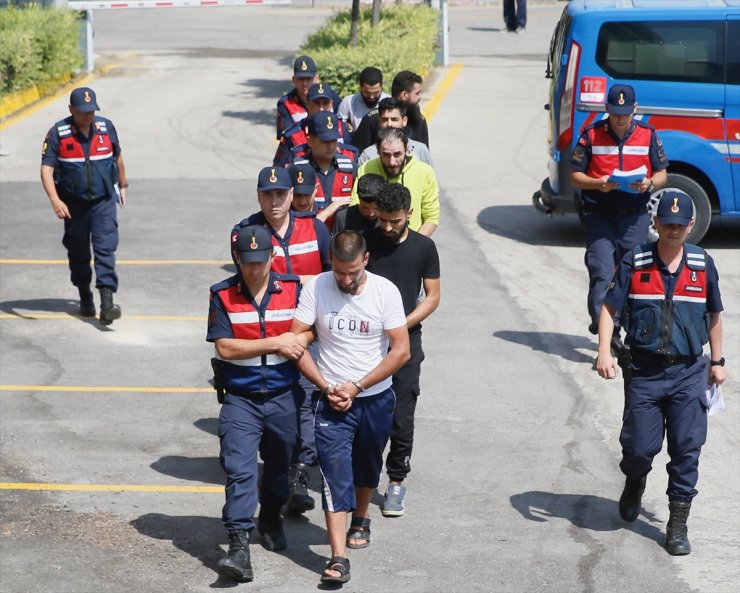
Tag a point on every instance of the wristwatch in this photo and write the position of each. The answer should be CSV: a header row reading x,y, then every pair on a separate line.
x,y
717,363
651,187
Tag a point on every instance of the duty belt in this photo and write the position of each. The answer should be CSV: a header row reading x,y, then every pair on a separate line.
x,y
613,212
649,359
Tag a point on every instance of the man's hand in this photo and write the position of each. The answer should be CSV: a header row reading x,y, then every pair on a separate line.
x,y
605,185
290,346
642,186
717,374
340,396
60,208
123,191
606,365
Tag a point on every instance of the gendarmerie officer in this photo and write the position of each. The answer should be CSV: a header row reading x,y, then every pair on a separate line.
x,y
614,220
249,316
668,295
83,174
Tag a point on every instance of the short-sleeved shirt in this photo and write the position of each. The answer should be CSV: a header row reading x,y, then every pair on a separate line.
x,y
406,264
618,292
351,329
351,219
353,108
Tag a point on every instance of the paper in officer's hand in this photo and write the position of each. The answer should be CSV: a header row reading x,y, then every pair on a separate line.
x,y
714,399
624,178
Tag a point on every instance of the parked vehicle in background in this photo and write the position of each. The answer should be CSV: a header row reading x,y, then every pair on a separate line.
x,y
683,60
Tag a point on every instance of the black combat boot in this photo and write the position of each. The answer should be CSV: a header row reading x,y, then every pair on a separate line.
x,y
237,565
109,311
677,533
299,501
630,502
270,526
87,304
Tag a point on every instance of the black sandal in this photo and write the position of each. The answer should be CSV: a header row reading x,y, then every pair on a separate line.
x,y
338,564
359,528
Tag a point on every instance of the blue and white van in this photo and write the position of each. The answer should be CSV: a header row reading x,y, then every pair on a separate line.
x,y
683,60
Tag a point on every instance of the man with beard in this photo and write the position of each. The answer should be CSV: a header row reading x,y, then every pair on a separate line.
x,y
410,261
392,114
356,106
395,165
407,88
360,328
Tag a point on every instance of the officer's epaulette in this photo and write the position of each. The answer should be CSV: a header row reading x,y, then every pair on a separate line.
x,y
309,214
642,256
695,257
287,277
300,161
225,284
345,163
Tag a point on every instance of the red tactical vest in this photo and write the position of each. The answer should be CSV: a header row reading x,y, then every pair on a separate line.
x,y
303,258
605,152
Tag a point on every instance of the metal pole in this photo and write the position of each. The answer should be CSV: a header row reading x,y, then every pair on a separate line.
x,y
442,58
86,40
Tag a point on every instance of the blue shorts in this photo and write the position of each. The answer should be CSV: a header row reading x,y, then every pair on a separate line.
x,y
350,447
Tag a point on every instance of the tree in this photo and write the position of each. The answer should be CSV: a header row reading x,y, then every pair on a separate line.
x,y
355,18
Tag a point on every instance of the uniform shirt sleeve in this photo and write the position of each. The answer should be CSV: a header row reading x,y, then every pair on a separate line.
x,y
393,314
283,116
323,238
581,154
430,199
618,291
113,133
219,325
714,298
306,311
658,160
50,148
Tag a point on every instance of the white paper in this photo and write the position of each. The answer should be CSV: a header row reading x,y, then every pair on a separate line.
x,y
714,399
624,178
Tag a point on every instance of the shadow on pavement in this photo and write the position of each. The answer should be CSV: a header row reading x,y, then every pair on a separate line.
x,y
209,425
202,538
523,223
68,306
563,345
266,88
262,117
584,511
195,469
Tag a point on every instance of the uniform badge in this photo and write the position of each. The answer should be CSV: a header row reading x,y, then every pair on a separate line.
x,y
234,237
299,179
675,208
44,147
253,245
277,287
344,180
304,66
273,177
87,97
321,89
621,99
329,124
693,275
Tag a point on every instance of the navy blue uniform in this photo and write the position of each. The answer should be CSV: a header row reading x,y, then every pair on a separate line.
x,y
259,412
617,221
85,176
666,317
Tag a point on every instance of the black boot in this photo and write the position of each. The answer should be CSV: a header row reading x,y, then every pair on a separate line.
x,y
299,501
270,526
109,311
87,304
630,502
237,565
677,533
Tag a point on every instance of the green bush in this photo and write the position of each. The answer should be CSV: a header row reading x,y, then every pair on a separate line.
x,y
37,46
405,39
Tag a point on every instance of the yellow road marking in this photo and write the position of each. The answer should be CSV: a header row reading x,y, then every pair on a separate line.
x,y
126,262
444,88
126,317
109,487
105,389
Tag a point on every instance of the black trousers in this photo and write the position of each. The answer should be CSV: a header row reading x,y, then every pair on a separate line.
x,y
406,388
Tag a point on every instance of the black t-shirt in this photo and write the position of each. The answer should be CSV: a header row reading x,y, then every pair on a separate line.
x,y
350,219
405,264
367,132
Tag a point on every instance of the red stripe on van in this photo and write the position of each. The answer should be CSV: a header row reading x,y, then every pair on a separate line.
x,y
704,127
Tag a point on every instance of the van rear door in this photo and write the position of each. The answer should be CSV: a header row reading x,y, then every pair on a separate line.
x,y
732,103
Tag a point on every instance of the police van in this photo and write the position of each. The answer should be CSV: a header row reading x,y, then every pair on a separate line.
x,y
683,60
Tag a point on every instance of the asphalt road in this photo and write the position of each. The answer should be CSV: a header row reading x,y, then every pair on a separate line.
x,y
515,475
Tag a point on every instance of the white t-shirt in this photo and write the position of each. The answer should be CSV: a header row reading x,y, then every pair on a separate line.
x,y
351,328
353,108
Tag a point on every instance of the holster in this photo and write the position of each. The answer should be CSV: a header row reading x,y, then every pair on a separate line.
x,y
218,380
624,360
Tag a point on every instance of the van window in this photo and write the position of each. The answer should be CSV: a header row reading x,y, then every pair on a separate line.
x,y
733,52
669,51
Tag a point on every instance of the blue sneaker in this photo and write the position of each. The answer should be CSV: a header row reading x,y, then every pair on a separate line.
x,y
393,503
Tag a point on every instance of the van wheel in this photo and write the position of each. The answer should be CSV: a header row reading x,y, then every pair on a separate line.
x,y
702,206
